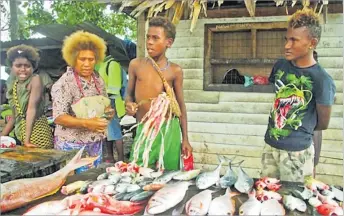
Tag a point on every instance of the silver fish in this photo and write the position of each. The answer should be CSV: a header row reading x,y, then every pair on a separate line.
x,y
166,177
207,179
187,175
272,207
304,195
115,177
314,201
252,206
199,204
229,178
122,187
101,182
244,183
132,188
167,197
293,203
110,189
126,179
223,205
103,176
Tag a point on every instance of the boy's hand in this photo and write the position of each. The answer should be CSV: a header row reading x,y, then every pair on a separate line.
x,y
186,149
131,108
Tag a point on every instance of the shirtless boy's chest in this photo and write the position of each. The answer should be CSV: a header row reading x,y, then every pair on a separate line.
x,y
149,80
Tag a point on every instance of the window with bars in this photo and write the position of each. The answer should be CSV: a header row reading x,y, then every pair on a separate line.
x,y
240,56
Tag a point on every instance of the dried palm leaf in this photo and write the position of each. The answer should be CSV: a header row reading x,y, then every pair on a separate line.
x,y
178,12
143,6
279,2
204,7
195,13
251,7
293,3
128,3
169,4
305,3
150,11
220,2
159,8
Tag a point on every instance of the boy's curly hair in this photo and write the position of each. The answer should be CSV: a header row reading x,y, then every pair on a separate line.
x,y
170,29
306,18
81,40
23,51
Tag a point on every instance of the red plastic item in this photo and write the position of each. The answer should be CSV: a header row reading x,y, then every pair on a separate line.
x,y
260,80
188,163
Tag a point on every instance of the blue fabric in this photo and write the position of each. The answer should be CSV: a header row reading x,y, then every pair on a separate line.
x,y
114,127
93,149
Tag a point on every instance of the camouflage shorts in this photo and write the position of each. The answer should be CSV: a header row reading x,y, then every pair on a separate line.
x,y
287,165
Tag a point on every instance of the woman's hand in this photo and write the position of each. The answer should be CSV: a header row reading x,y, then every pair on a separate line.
x,y
98,125
28,144
109,113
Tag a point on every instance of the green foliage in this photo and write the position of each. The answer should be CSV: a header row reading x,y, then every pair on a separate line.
x,y
75,12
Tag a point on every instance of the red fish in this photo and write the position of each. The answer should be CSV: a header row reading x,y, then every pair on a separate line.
x,y
17,193
329,210
269,183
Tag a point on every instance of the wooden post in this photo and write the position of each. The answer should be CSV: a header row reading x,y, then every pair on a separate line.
x,y
254,42
141,36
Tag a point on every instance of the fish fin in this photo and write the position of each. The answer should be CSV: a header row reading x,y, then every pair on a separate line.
x,y
50,193
178,210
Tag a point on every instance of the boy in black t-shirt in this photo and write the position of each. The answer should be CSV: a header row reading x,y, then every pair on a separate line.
x,y
304,96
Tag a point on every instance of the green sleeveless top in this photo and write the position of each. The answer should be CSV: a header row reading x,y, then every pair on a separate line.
x,y
23,98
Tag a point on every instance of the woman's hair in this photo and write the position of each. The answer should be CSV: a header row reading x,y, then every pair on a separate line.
x,y
23,51
82,40
306,18
166,24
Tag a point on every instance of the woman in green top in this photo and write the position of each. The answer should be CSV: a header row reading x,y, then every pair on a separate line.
x,y
25,95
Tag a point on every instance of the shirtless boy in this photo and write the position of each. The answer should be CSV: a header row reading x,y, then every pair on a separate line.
x,y
145,83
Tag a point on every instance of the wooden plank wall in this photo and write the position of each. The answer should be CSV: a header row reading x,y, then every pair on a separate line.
x,y
230,123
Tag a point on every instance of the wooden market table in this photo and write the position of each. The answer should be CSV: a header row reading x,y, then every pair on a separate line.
x,y
21,162
93,173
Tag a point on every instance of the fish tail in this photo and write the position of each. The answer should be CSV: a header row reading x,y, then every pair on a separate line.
x,y
231,193
77,162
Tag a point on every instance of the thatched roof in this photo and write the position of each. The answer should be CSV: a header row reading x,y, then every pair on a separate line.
x,y
193,9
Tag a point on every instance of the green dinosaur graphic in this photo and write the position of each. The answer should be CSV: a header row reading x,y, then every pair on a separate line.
x,y
290,100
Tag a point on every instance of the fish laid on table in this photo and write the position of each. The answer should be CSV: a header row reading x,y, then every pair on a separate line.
x,y
48,208
271,184
129,195
103,176
166,177
327,200
338,194
293,203
142,196
153,187
305,194
230,177
72,187
272,207
263,195
199,203
207,179
314,184
187,175
252,206
167,197
115,177
122,187
17,193
223,205
244,183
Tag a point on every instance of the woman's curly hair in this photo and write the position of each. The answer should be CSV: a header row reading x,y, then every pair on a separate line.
x,y
82,40
23,51
306,18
